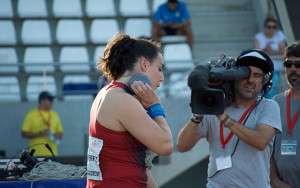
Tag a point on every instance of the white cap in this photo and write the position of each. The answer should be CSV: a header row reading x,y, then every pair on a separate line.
x,y
254,54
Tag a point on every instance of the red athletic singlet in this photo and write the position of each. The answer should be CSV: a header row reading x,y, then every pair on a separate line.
x,y
115,159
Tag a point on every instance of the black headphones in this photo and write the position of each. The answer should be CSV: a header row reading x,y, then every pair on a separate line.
x,y
266,65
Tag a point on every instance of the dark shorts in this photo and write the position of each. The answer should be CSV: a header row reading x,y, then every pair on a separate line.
x,y
170,31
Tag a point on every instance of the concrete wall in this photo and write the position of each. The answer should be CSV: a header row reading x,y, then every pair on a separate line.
x,y
74,117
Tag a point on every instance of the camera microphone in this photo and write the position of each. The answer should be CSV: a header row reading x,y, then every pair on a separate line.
x,y
220,73
199,77
139,77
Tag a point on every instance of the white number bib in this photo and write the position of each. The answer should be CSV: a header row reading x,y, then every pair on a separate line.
x,y
93,169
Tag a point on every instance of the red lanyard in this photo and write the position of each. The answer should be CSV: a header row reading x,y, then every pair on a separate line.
x,y
49,118
231,134
288,113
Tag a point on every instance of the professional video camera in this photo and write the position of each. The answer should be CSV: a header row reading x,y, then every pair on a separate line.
x,y
212,85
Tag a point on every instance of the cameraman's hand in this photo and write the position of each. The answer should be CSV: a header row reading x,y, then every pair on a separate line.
x,y
145,94
222,116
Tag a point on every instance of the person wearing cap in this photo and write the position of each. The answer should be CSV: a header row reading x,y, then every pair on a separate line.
x,y
285,161
172,18
240,140
42,126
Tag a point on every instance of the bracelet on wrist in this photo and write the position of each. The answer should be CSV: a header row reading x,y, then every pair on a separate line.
x,y
156,110
225,119
232,121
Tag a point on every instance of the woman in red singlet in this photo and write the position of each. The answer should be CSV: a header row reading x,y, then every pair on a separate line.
x,y
124,127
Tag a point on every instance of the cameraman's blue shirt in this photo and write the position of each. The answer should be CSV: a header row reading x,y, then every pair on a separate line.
x,y
165,15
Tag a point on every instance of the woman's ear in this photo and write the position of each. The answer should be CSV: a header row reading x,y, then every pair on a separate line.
x,y
144,64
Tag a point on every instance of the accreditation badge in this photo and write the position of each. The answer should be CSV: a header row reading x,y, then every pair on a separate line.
x,y
223,162
288,147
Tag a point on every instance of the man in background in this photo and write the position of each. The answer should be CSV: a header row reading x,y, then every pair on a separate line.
x,y
285,161
172,18
42,126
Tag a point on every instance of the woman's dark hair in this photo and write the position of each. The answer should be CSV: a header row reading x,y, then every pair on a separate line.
x,y
292,50
122,52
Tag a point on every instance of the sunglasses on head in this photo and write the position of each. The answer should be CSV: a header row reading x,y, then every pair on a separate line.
x,y
271,27
289,64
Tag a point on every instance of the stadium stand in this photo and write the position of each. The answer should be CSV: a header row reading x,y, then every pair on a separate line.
x,y
78,87
138,27
95,8
38,60
26,10
99,50
178,57
9,89
70,31
74,59
178,62
36,32
134,8
6,9
59,40
62,8
7,33
36,84
8,56
156,3
98,35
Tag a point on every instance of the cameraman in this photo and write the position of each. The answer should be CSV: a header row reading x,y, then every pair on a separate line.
x,y
241,138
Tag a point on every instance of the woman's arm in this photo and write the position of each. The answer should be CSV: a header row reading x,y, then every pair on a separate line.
x,y
128,113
